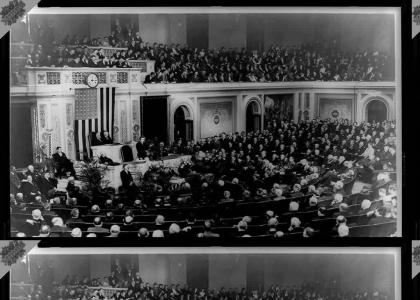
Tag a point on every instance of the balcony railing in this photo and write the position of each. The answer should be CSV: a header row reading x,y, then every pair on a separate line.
x,y
55,77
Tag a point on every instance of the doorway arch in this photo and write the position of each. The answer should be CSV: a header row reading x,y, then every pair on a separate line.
x,y
183,124
376,110
253,116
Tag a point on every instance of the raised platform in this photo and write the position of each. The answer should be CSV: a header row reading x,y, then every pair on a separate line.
x,y
113,151
137,168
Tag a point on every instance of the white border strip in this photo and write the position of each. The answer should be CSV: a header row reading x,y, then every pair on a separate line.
x,y
211,10
213,250
398,115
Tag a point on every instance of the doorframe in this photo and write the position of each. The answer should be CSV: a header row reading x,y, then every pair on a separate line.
x,y
366,105
258,112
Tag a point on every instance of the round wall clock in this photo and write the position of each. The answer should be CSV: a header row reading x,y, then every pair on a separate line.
x,y
92,80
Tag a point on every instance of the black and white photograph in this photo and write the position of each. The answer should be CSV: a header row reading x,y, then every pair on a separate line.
x,y
203,273
212,122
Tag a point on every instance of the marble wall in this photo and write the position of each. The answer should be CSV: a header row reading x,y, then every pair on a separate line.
x,y
336,108
215,118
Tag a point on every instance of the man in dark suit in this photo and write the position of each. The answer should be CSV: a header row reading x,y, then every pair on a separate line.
x,y
14,180
75,63
128,183
107,138
96,139
47,185
63,164
126,177
29,189
97,226
150,78
141,148
31,171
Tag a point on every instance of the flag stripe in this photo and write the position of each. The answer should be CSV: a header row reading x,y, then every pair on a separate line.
x,y
76,138
99,95
113,113
107,110
101,112
83,132
88,130
80,140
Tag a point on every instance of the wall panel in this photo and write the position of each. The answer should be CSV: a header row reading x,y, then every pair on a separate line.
x,y
227,271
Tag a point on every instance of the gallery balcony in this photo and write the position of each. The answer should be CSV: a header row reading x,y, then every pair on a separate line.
x,y
33,80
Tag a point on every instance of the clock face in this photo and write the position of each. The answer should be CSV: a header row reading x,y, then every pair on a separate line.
x,y
92,80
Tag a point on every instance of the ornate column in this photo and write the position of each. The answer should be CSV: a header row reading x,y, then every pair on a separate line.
x,y
312,106
296,106
358,107
56,118
69,131
121,130
135,109
42,131
35,133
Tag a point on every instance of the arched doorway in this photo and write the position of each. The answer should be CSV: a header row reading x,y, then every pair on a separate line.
x,y
183,125
376,110
253,117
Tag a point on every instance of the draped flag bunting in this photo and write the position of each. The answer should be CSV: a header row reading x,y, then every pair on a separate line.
x,y
94,112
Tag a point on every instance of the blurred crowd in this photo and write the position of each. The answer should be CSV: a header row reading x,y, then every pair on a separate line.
x,y
132,287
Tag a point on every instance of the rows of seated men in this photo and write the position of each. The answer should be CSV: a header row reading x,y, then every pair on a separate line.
x,y
132,287
336,217
317,61
306,184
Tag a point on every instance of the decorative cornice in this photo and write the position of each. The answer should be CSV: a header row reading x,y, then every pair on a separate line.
x,y
138,89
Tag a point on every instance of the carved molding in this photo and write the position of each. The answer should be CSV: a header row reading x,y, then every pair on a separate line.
x,y
56,126
43,115
123,124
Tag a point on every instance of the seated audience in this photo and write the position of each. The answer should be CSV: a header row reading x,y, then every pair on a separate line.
x,y
315,61
235,185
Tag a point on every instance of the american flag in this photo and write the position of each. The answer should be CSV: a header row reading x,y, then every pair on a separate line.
x,y
94,112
